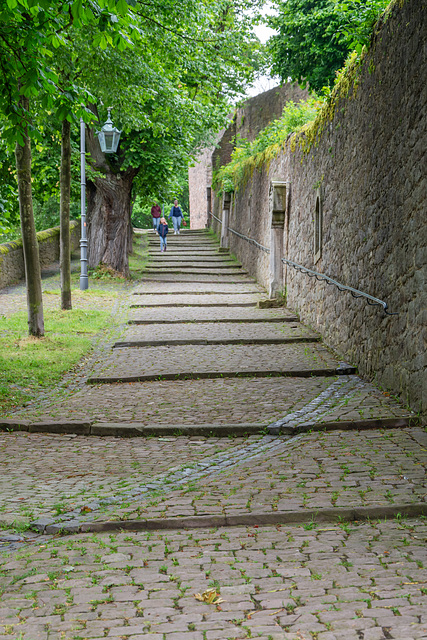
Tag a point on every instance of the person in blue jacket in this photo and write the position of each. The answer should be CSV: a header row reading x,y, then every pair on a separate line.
x,y
177,216
163,232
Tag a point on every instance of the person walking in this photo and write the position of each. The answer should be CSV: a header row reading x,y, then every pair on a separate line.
x,y
163,232
177,217
156,213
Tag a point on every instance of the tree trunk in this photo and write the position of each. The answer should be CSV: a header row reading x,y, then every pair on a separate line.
x,y
108,215
65,250
29,238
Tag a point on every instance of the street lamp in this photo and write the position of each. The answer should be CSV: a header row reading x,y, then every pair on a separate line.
x,y
108,138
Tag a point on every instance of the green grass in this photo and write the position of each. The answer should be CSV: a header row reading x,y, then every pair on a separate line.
x,y
31,364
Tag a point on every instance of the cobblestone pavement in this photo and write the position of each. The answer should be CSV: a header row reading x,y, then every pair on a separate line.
x,y
352,582
197,360
173,300
207,288
186,402
221,331
210,314
325,579
166,277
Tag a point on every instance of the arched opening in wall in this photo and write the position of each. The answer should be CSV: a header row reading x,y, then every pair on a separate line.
x,y
318,222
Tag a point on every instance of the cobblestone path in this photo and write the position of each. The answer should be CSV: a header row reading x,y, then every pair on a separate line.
x,y
306,515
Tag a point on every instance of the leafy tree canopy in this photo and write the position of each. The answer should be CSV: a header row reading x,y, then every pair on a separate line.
x,y
169,70
315,37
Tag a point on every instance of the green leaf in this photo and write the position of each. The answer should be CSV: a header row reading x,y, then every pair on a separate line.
x,y
122,7
77,9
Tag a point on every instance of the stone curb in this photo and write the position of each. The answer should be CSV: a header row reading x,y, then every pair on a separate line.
x,y
353,425
187,264
135,429
213,430
195,293
183,271
212,375
213,341
334,515
219,320
192,281
167,305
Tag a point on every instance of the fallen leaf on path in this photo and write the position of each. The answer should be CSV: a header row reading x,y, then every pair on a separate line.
x,y
210,596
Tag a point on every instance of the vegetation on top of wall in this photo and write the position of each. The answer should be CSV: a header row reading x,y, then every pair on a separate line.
x,y
302,124
248,156
346,84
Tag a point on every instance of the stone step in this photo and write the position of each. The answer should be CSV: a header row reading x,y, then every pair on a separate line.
x,y
338,401
183,249
201,278
196,271
172,342
210,315
183,242
198,300
193,291
165,258
221,333
218,361
191,264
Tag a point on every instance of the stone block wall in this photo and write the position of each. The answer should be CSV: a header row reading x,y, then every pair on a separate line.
x,y
199,178
247,122
369,166
12,267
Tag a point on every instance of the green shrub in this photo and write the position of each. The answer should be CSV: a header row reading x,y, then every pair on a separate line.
x,y
248,156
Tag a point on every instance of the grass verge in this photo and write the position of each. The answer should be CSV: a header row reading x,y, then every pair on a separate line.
x,y
31,365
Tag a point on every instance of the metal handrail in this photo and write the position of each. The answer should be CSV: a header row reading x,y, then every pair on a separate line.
x,y
213,216
250,240
341,287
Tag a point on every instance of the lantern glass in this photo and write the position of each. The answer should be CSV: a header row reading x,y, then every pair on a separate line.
x,y
109,136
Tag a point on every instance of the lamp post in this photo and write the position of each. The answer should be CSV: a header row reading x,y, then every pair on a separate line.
x,y
84,282
108,138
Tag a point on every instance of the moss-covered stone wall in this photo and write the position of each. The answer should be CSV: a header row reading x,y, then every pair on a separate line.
x,y
369,161
12,268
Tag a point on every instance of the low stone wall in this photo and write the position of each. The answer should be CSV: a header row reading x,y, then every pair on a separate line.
x,y
368,168
12,267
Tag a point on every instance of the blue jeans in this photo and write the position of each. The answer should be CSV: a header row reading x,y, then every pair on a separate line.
x,y
176,221
156,222
163,243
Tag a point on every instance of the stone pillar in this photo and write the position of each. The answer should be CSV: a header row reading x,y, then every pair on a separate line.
x,y
226,203
278,201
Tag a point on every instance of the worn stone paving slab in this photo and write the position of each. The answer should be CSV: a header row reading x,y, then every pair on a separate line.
x,y
227,314
172,300
355,582
219,401
222,331
210,359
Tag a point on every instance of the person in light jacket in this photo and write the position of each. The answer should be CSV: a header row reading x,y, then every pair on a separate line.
x,y
177,217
